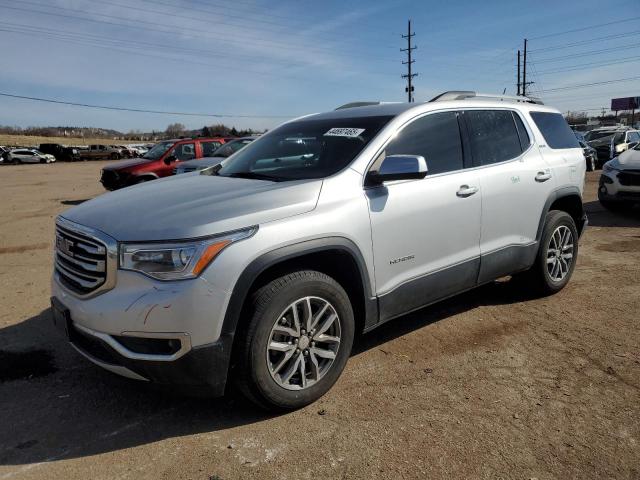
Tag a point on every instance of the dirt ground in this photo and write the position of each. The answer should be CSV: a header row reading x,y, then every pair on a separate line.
x,y
491,384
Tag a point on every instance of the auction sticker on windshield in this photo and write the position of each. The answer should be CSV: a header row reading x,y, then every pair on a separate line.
x,y
344,132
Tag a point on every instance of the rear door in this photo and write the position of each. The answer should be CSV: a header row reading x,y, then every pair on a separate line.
x,y
515,182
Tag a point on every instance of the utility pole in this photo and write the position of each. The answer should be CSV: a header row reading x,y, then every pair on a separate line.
x,y
524,71
518,72
409,76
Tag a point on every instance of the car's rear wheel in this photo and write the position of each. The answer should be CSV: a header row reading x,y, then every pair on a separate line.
x,y
115,156
297,340
557,254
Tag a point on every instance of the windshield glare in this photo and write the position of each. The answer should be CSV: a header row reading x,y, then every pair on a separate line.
x,y
158,150
305,149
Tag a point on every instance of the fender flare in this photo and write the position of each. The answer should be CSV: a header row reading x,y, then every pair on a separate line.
x,y
262,263
557,194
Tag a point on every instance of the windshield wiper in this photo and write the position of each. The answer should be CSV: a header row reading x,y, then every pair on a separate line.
x,y
254,176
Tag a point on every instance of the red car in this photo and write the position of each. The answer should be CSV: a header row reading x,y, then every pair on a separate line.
x,y
157,162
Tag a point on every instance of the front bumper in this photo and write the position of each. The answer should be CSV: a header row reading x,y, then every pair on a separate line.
x,y
164,332
611,189
202,369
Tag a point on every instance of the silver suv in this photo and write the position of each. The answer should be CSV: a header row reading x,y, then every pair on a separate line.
x,y
259,272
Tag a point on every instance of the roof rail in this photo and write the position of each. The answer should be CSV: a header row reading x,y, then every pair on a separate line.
x,y
468,94
357,104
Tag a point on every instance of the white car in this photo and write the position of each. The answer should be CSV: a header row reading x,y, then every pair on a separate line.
x,y
620,180
25,155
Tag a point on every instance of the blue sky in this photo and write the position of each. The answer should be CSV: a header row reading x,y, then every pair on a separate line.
x,y
289,58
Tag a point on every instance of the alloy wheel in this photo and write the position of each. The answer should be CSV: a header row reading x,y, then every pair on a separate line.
x,y
303,343
560,253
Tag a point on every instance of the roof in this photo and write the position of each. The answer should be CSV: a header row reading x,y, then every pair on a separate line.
x,y
380,110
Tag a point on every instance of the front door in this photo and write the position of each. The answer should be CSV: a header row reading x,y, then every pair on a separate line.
x,y
425,233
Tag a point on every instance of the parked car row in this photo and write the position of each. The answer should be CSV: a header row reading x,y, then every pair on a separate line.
x,y
169,158
609,142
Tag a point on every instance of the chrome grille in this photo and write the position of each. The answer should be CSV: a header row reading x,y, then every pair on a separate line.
x,y
80,261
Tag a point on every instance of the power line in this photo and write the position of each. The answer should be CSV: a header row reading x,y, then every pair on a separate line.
x,y
583,66
586,54
584,42
131,48
154,27
582,29
583,85
139,110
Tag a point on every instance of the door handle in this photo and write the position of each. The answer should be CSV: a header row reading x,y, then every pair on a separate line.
x,y
466,191
542,176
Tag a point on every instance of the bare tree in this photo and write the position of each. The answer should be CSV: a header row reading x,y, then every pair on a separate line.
x,y
175,130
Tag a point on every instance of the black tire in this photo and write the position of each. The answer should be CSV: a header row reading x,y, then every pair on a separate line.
x,y
265,307
591,164
538,277
115,156
143,180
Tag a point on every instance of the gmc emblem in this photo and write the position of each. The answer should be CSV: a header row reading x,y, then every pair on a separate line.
x,y
64,245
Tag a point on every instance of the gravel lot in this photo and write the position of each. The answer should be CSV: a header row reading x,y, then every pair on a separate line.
x,y
490,384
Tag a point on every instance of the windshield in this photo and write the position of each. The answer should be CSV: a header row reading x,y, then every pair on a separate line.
x,y
305,149
158,150
596,135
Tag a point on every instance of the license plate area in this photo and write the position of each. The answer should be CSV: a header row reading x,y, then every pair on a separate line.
x,y
60,315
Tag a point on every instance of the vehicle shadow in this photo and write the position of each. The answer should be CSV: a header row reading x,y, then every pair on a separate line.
x,y
74,202
601,217
494,293
64,407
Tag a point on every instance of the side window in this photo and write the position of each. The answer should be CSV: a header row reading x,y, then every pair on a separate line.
x,y
525,141
209,147
436,137
633,137
555,130
185,151
493,136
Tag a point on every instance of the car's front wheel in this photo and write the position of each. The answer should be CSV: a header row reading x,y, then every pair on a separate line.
x,y
297,341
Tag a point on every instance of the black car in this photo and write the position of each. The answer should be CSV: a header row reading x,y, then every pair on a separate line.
x,y
611,141
62,153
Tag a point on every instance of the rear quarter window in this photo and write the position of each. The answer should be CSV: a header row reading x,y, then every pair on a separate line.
x,y
555,130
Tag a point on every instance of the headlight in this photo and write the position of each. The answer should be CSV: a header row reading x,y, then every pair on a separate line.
x,y
608,168
177,260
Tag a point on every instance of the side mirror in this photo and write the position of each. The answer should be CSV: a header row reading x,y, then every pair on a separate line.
x,y
170,159
398,167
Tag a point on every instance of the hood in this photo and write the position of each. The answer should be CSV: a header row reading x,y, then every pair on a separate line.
x,y
127,163
188,206
629,159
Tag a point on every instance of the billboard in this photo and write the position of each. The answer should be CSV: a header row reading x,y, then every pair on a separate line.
x,y
626,103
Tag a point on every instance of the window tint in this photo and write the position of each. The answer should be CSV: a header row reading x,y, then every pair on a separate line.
x,y
525,141
436,137
555,130
493,136
209,147
634,137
